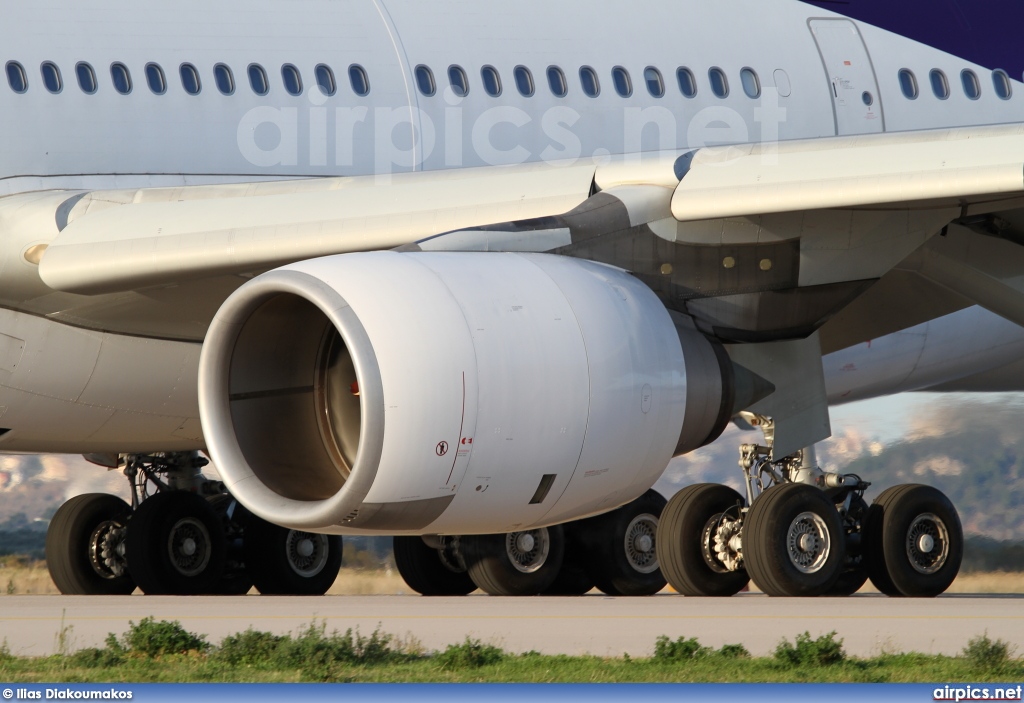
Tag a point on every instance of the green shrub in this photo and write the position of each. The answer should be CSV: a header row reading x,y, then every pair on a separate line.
x,y
733,651
93,658
824,651
986,654
152,638
469,654
680,649
252,647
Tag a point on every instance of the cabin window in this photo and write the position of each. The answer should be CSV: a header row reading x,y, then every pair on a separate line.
x,y
258,79
121,77
86,77
292,79
16,77
751,83
155,79
1001,82
224,78
908,83
557,83
425,80
51,77
655,84
940,86
190,79
621,81
359,80
588,79
492,81
325,79
719,83
524,81
687,83
459,81
972,87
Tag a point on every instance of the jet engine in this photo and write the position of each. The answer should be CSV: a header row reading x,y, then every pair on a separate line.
x,y
451,393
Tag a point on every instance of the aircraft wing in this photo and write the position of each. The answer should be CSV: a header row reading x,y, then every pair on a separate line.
x,y
964,166
127,240
123,240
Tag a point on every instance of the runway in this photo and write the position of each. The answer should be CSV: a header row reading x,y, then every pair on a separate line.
x,y
593,624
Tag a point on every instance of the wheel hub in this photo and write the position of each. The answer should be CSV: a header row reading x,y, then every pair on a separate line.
x,y
106,550
640,543
306,552
721,544
525,542
808,542
528,560
188,546
927,543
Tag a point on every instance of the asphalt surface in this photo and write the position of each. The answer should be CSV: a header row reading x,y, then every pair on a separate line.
x,y
595,624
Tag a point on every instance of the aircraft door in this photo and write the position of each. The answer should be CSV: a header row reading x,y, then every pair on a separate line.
x,y
854,88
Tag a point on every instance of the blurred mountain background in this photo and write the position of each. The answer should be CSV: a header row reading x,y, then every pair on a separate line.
x,y
969,446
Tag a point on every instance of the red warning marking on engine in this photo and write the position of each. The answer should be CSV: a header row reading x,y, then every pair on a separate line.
x,y
467,440
847,63
442,448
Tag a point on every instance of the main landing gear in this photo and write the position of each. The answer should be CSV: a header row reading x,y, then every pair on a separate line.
x,y
615,552
803,532
182,535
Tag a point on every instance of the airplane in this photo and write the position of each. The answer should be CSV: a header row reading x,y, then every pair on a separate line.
x,y
472,275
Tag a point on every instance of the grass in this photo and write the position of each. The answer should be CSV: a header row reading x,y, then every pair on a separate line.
x,y
162,651
19,576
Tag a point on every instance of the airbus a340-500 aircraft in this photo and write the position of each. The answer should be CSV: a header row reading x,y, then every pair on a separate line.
x,y
471,275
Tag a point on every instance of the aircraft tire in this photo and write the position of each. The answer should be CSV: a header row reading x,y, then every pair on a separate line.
x,y
874,554
685,544
622,547
572,579
285,562
176,545
854,575
522,563
80,532
920,542
236,580
426,570
793,541
850,581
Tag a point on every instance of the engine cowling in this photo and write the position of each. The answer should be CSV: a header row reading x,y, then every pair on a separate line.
x,y
450,393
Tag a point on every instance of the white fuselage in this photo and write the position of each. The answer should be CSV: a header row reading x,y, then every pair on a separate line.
x,y
107,378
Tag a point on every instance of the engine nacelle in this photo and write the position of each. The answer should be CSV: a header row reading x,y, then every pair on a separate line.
x,y
450,393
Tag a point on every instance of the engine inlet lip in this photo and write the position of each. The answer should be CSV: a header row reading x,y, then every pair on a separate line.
x,y
215,411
